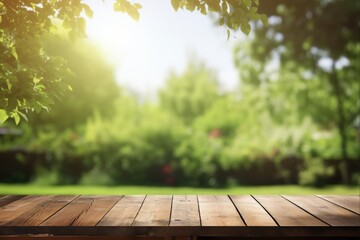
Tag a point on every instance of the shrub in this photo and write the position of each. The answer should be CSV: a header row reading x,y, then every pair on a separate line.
x,y
316,173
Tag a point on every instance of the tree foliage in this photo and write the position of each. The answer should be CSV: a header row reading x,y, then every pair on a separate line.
x,y
282,126
253,135
190,94
31,78
235,14
92,79
308,31
322,50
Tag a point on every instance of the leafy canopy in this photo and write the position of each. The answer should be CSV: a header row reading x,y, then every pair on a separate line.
x,y
92,79
31,77
317,45
191,93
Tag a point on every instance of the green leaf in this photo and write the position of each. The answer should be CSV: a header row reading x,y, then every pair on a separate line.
x,y
69,87
116,7
36,80
203,9
264,19
133,13
256,2
39,87
253,10
3,116
190,6
89,13
247,3
175,4
224,7
16,117
222,21
23,115
38,107
245,28
138,5
214,5
8,83
228,34
14,53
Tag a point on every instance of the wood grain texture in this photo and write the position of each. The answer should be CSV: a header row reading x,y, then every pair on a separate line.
x,y
218,210
16,208
84,211
5,200
124,211
252,212
326,211
41,211
100,206
185,211
155,211
286,213
349,202
162,216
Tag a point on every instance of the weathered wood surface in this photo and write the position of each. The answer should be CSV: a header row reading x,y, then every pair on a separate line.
x,y
180,216
351,203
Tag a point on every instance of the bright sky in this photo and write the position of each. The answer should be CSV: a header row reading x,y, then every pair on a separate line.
x,y
163,40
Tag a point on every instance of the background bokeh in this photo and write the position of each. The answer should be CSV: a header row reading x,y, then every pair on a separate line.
x,y
292,119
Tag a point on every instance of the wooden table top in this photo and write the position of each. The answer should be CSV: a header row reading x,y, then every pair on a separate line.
x,y
181,215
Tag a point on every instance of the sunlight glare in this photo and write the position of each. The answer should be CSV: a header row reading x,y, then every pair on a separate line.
x,y
144,52
111,31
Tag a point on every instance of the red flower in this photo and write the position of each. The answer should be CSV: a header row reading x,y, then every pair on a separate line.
x,y
166,169
215,133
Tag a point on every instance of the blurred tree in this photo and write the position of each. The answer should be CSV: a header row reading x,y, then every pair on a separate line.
x,y
31,77
92,80
190,94
221,119
317,41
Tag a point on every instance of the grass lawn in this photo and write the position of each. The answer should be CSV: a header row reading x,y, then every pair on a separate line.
x,y
80,189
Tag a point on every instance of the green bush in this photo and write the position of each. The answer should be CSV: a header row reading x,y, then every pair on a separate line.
x,y
232,141
316,173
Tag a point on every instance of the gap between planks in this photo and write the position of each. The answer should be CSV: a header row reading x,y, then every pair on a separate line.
x,y
181,210
351,203
325,210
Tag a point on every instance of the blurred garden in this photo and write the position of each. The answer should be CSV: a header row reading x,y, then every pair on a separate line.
x,y
293,119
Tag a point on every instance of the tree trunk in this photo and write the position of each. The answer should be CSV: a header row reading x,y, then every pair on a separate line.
x,y
341,124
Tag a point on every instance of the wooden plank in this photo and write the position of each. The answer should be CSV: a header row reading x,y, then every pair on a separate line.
x,y
326,211
87,238
16,208
155,216
83,211
41,211
99,207
218,211
308,232
185,211
349,202
124,211
252,212
155,211
5,200
287,214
